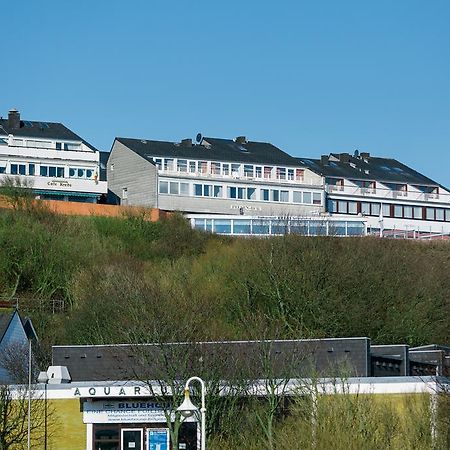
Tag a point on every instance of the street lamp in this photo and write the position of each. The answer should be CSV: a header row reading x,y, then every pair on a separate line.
x,y
187,408
43,378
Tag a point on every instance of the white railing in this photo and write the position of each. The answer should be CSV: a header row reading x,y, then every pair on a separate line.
x,y
384,193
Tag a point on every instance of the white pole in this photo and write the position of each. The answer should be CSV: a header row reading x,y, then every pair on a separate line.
x,y
29,394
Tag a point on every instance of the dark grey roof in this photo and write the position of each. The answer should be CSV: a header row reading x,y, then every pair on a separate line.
x,y
370,168
5,320
42,130
218,150
225,360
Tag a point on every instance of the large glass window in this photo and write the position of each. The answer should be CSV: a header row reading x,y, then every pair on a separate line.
x,y
43,171
232,192
222,226
447,215
418,213
284,196
60,172
173,188
375,207
248,170
184,188
297,196
217,191
251,194
168,164
307,198
430,214
407,212
265,195
52,171
241,193
365,208
241,226
439,214
182,165
352,208
163,187
274,195
317,198
386,210
398,211
198,190
342,207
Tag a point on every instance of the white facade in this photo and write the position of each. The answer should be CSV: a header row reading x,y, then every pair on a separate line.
x,y
53,168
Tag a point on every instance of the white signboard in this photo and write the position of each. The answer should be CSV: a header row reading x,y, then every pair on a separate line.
x,y
126,411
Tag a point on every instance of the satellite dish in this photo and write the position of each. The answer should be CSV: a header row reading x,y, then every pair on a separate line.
x,y
356,154
199,138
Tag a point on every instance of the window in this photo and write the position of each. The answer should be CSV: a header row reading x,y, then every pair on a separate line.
x,y
365,208
317,198
430,213
158,163
386,210
182,165
235,169
68,146
258,172
163,187
241,192
217,191
43,171
407,212
251,194
225,169
375,209
265,195
3,169
80,173
168,164
290,173
297,196
173,188
274,195
58,146
248,171
14,169
284,196
203,166
31,169
307,197
332,206
398,211
124,193
22,169
52,171
72,172
342,207
215,168
439,214
447,215
184,188
207,190
281,173
352,208
60,172
198,190
89,173
267,172
232,192
299,173
418,212
192,166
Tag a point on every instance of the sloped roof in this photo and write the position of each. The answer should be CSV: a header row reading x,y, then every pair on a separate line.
x,y
217,150
5,320
41,130
370,168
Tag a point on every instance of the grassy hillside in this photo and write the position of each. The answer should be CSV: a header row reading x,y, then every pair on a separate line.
x,y
123,278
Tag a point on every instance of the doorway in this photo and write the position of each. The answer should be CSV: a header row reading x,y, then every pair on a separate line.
x,y
132,438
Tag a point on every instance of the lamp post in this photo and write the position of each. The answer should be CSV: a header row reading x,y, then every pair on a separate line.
x,y
43,378
187,408
31,336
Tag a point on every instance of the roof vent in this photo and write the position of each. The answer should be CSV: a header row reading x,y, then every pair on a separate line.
x,y
186,142
14,119
241,140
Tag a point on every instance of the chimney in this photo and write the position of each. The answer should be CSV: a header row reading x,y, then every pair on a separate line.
x,y
241,140
344,157
324,159
186,142
14,119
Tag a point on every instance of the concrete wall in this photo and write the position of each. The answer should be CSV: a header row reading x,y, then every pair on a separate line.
x,y
133,172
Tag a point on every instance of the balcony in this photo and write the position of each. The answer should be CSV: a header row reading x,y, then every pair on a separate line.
x,y
388,194
48,153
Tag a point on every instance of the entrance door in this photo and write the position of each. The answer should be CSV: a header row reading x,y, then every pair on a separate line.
x,y
157,439
132,438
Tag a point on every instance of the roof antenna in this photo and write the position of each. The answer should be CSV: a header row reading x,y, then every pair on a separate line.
x,y
199,138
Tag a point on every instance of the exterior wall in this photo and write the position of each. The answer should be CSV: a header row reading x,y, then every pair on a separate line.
x,y
128,170
15,335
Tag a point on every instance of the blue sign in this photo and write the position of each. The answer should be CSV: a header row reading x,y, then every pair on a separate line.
x,y
158,439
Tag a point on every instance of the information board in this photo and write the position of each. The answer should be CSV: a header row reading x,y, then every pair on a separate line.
x,y
158,439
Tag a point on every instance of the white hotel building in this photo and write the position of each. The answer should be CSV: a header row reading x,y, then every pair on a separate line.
x,y
243,187
50,159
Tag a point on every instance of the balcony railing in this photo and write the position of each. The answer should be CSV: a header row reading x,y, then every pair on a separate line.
x,y
384,193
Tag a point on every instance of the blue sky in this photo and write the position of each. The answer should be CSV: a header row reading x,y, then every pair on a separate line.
x,y
312,77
